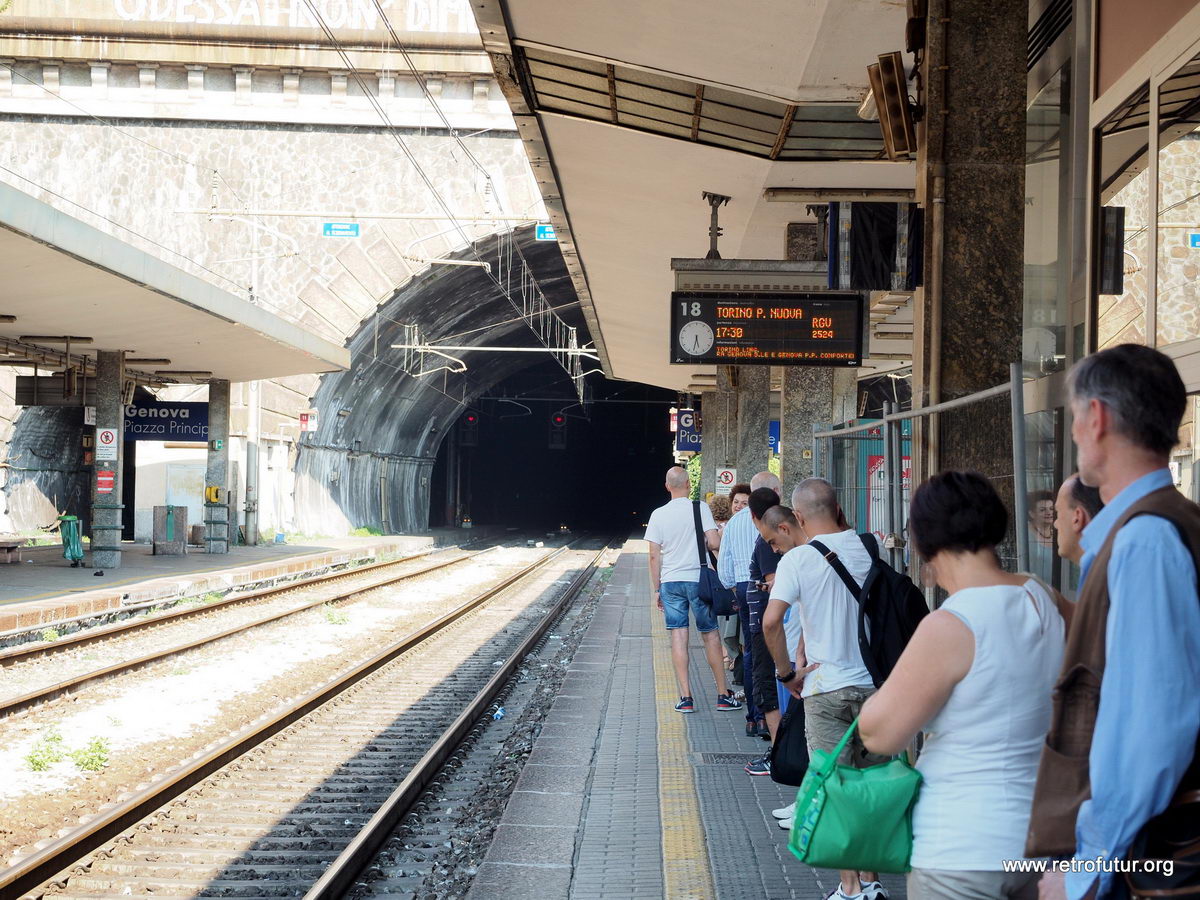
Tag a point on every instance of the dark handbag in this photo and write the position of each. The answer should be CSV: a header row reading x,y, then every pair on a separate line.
x,y
712,592
789,753
1172,836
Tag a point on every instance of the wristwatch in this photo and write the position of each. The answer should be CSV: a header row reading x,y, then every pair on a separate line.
x,y
784,679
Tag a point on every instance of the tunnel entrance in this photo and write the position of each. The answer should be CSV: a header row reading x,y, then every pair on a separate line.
x,y
607,475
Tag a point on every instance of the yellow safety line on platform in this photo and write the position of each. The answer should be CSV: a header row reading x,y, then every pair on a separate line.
x,y
686,873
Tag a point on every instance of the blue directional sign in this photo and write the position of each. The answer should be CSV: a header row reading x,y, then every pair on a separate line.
x,y
544,233
340,229
687,437
1194,239
773,435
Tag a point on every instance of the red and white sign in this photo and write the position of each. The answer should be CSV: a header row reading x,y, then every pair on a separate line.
x,y
877,488
105,481
726,478
308,420
106,443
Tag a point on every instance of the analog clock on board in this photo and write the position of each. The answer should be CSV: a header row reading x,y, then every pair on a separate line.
x,y
695,338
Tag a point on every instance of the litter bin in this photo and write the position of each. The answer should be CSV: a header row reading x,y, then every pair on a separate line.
x,y
170,534
72,540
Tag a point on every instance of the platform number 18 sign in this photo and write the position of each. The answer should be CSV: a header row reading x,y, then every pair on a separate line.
x,y
106,443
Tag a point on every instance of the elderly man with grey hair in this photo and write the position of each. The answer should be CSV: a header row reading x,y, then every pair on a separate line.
x,y
674,579
1122,744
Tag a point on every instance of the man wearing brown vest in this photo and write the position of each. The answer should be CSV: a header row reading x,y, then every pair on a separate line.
x,y
1126,716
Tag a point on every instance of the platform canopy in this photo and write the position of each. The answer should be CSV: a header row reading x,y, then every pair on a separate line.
x,y
630,110
62,276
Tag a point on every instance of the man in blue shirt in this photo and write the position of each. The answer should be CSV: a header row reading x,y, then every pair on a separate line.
x,y
1127,403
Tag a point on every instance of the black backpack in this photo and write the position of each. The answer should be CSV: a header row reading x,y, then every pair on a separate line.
x,y
890,607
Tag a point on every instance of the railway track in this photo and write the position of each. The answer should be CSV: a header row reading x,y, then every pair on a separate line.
x,y
301,800
364,579
34,649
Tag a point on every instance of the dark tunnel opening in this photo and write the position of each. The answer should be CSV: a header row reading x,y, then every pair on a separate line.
x,y
607,475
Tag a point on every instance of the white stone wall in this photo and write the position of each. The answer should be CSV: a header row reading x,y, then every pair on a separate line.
x,y
140,178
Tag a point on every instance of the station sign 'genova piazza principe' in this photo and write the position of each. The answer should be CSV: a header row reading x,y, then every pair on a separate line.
x,y
818,328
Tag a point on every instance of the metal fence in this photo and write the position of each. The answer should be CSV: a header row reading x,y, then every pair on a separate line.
x,y
870,464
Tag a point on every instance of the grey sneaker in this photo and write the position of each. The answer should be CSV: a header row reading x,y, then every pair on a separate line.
x,y
760,766
873,890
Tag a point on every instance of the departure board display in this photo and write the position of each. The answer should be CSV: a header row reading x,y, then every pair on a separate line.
x,y
821,328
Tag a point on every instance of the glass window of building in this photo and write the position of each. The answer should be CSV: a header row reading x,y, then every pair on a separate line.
x,y
1043,445
1124,185
1045,325
1178,296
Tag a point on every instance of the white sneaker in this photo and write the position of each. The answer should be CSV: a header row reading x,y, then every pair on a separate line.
x,y
785,812
838,895
785,824
873,890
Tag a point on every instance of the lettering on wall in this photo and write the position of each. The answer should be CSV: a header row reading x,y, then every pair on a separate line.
x,y
405,15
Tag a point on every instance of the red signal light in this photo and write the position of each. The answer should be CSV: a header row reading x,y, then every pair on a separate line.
x,y
558,431
472,418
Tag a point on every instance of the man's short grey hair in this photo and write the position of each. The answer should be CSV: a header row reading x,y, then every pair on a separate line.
x,y
1141,389
677,477
815,497
766,480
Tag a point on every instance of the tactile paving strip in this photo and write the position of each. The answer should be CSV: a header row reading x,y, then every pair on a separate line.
x,y
685,859
748,850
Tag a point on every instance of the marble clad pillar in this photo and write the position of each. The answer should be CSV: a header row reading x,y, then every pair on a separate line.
x,y
973,140
718,432
810,396
216,513
106,476
754,414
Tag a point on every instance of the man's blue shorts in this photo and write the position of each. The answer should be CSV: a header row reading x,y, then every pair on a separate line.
x,y
677,596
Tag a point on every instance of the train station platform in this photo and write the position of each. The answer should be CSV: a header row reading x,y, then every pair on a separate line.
x,y
43,588
622,797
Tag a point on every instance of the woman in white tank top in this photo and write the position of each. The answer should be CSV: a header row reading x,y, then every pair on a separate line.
x,y
976,678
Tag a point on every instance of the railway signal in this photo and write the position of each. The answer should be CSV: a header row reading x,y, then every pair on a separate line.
x,y
468,433
558,431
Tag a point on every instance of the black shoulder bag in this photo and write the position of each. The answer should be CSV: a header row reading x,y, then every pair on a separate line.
x,y
789,753
712,591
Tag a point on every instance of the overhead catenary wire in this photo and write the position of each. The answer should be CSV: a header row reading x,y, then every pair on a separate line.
x,y
441,114
571,367
547,326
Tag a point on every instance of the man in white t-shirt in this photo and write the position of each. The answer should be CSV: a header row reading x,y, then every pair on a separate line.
x,y
828,670
674,578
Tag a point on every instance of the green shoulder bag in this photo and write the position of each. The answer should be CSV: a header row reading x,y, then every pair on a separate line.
x,y
848,818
